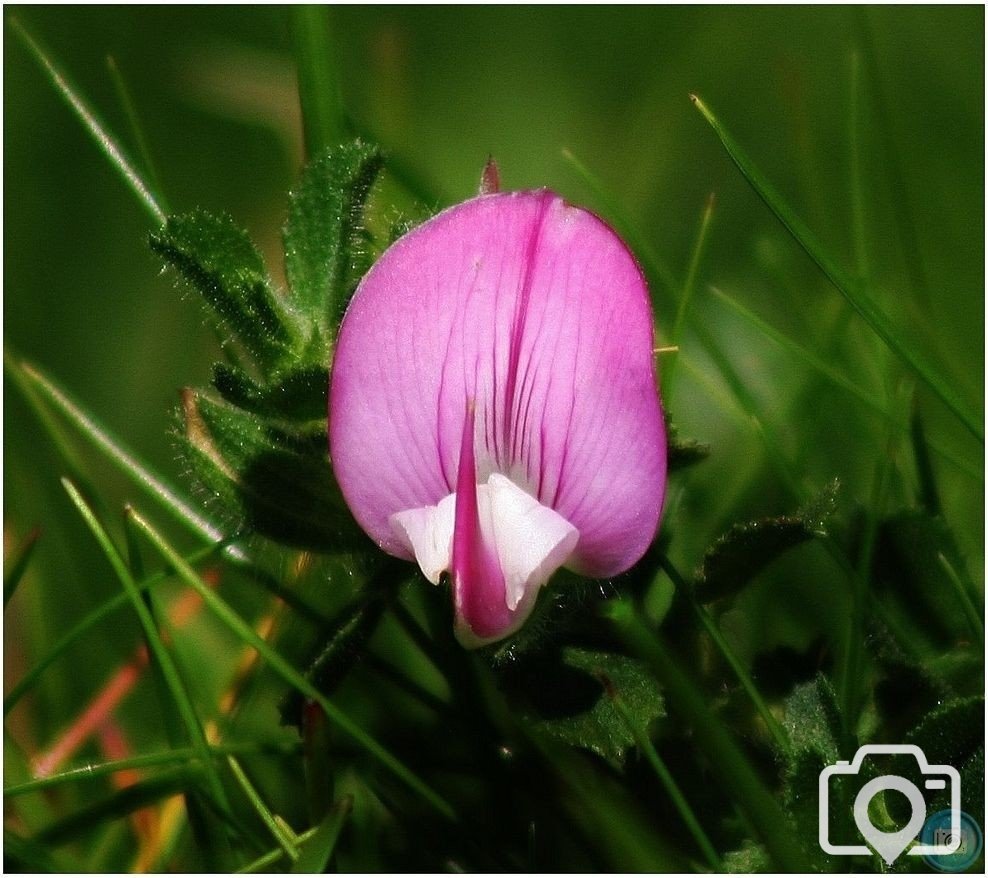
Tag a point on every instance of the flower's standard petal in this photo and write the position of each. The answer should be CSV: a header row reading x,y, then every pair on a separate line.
x,y
533,316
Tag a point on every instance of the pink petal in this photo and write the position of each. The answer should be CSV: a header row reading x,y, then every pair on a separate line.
x,y
537,313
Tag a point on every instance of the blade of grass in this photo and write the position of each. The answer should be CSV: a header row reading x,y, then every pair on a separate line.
x,y
858,298
901,211
686,297
669,784
104,140
136,129
85,624
775,729
316,60
970,610
733,769
836,377
180,755
262,863
117,453
281,836
119,804
655,268
315,854
18,566
156,648
857,188
289,674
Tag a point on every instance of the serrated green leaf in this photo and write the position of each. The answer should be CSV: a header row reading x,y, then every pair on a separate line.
x,y
748,548
301,394
953,734
571,698
220,262
323,234
265,478
812,721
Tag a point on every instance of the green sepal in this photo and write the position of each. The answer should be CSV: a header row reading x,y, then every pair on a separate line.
x,y
266,478
748,548
219,261
325,242
300,394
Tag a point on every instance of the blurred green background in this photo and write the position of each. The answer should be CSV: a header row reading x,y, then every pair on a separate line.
x,y
440,89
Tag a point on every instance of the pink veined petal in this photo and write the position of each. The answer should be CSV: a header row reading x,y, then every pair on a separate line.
x,y
536,312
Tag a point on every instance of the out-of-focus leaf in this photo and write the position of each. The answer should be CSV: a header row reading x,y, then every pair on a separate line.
x,y
349,632
218,260
748,548
916,563
301,394
323,234
317,851
21,557
267,479
570,696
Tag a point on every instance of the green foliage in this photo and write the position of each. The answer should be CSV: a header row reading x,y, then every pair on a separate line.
x,y
571,697
323,236
747,548
644,723
219,261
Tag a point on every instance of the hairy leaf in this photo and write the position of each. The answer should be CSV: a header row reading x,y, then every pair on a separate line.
x,y
301,394
570,696
265,478
323,234
748,548
219,261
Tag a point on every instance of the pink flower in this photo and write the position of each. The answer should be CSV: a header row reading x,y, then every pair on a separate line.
x,y
493,408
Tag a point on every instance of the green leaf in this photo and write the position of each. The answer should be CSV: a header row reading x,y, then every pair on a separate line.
x,y
323,234
300,394
571,697
271,480
316,853
18,567
917,565
813,723
852,291
953,734
746,549
351,629
218,260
